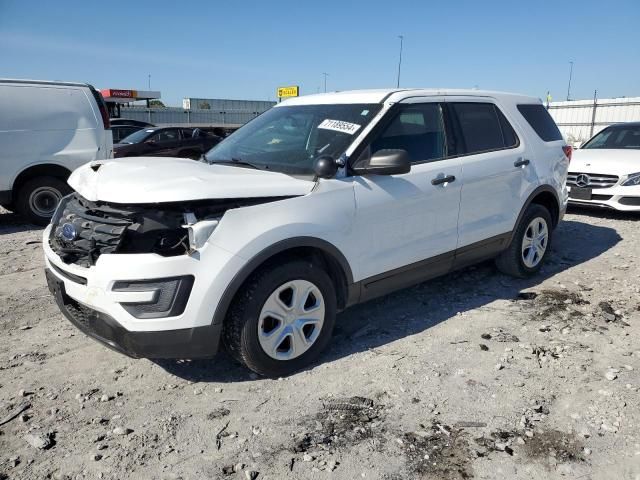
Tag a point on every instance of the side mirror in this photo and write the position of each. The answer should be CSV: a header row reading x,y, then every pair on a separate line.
x,y
387,162
151,143
325,167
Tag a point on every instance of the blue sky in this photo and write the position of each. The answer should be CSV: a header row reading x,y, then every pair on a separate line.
x,y
245,49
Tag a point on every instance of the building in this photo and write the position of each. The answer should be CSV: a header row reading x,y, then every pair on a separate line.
x,y
225,105
579,120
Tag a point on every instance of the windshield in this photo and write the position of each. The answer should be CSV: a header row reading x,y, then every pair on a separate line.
x,y
619,137
137,137
289,139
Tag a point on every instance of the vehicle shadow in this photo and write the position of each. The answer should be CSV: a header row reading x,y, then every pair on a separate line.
x,y
414,310
586,211
13,223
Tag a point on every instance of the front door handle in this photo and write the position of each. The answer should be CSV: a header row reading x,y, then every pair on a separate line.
x,y
441,180
521,162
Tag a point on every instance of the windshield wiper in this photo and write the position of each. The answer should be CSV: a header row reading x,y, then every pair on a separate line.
x,y
236,161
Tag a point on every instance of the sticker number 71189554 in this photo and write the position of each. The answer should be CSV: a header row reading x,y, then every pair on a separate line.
x,y
339,126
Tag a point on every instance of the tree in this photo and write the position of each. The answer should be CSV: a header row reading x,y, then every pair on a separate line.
x,y
156,104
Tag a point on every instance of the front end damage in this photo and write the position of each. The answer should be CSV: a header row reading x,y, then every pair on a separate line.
x,y
142,279
83,230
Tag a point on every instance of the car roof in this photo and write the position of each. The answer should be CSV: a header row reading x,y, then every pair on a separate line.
x,y
624,124
396,95
42,82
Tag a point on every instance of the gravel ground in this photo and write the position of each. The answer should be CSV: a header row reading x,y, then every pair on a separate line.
x,y
474,375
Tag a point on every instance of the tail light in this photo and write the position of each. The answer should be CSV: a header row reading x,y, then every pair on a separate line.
x,y
102,107
568,151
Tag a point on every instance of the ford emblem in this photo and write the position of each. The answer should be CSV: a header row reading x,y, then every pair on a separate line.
x,y
69,232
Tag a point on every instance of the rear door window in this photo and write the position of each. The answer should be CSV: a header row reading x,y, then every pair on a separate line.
x,y
480,126
541,122
170,135
418,129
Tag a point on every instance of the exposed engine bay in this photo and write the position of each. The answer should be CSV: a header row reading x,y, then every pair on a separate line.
x,y
83,230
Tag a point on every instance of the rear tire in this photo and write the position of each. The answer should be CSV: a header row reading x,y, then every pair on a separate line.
x,y
38,198
282,318
530,244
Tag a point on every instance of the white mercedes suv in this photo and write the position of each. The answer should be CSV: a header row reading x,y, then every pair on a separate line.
x,y
322,202
606,170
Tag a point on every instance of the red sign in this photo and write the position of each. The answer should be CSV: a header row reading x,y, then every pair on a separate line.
x,y
110,92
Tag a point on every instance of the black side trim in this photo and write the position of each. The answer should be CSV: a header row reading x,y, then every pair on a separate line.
x,y
69,276
406,276
295,242
5,197
480,251
428,269
198,342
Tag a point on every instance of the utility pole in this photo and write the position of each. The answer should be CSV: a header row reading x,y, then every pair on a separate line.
x,y
325,81
401,37
570,76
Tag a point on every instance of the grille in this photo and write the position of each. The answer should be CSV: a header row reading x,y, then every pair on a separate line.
x,y
591,180
82,231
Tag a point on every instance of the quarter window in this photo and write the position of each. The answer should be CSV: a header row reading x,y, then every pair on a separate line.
x,y
418,129
540,120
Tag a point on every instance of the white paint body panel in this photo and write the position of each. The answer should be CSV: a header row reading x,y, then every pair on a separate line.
x,y
48,123
378,223
163,179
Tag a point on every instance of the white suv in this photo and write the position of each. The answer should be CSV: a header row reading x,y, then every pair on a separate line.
x,y
322,202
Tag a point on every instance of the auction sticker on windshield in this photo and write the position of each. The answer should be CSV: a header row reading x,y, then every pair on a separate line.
x,y
339,126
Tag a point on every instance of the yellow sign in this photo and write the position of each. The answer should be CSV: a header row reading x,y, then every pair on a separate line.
x,y
285,92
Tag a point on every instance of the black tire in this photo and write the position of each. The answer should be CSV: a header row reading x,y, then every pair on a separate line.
x,y
511,261
38,197
240,333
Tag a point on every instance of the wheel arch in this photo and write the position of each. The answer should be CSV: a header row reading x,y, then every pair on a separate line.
x,y
39,170
546,196
317,250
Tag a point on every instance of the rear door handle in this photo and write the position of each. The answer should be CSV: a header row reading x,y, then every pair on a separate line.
x,y
521,162
441,180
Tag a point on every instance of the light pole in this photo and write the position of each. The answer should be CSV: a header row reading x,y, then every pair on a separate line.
x,y
401,37
570,75
149,81
325,81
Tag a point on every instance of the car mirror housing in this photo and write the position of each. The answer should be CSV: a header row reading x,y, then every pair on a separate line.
x,y
386,162
325,166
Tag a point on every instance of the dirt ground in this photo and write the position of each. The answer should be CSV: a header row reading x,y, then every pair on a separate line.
x,y
474,375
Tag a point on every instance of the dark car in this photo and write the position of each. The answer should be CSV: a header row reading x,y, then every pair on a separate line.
x,y
121,128
166,142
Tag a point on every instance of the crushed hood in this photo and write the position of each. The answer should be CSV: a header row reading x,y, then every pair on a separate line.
x,y
162,179
605,161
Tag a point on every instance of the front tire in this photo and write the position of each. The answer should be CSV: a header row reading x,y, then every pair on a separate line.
x,y
282,318
530,244
38,198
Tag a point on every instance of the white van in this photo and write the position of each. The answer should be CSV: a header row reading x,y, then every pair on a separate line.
x,y
47,130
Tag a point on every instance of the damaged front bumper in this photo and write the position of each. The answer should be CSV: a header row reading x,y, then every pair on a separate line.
x,y
194,342
145,305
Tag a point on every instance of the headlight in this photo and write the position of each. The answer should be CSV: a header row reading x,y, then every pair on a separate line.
x,y
633,180
199,231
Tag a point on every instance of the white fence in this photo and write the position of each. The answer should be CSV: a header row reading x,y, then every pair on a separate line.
x,y
579,120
